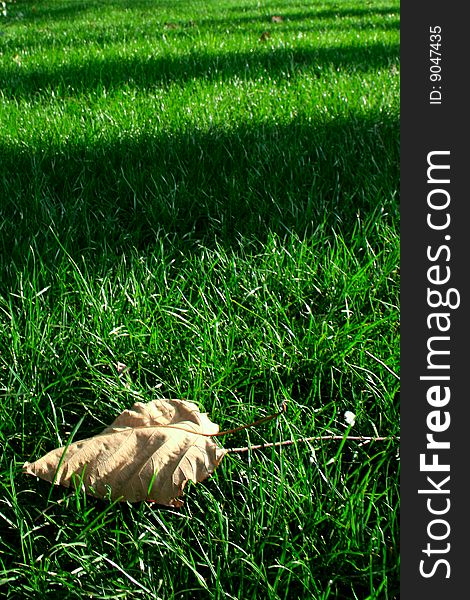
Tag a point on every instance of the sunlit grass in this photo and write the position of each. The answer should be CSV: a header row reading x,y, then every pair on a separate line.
x,y
218,212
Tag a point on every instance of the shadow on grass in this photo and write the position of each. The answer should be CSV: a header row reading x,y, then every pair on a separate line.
x,y
114,72
314,16
197,185
32,11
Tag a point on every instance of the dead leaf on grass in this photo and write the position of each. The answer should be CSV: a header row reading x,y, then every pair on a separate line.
x,y
149,452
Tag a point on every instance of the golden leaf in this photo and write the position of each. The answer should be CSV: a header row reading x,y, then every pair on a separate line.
x,y
149,452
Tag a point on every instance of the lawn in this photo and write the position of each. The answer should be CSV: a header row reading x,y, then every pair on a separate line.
x,y
209,197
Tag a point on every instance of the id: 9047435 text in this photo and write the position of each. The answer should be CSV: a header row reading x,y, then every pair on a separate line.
x,y
435,69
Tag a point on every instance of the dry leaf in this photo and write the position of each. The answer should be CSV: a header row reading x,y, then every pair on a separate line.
x,y
277,19
148,453
264,36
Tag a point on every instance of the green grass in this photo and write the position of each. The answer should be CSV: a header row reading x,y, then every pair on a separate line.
x,y
220,214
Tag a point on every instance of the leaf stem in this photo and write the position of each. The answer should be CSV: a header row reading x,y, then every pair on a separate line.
x,y
255,423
